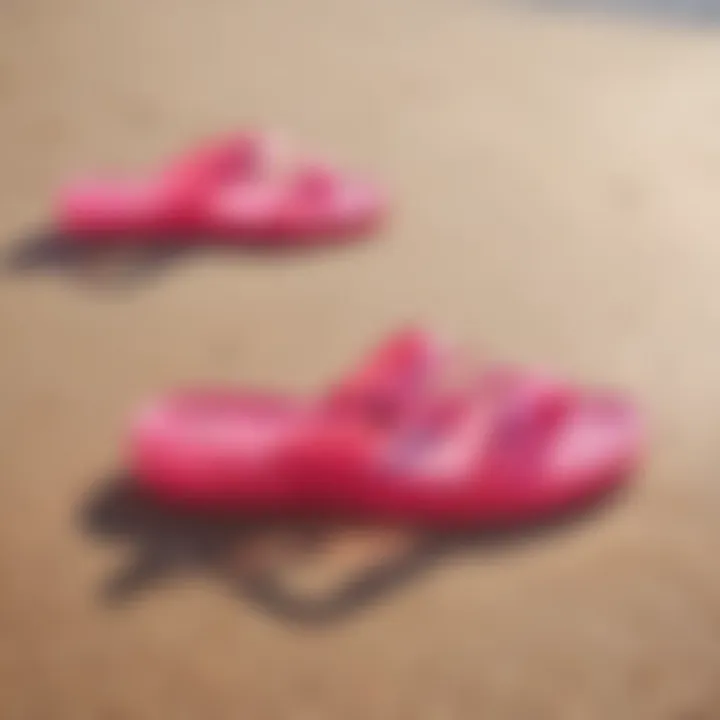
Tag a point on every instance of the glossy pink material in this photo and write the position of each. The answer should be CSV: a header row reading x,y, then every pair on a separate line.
x,y
225,188
392,443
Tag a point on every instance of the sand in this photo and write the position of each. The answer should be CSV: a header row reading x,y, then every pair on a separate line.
x,y
556,179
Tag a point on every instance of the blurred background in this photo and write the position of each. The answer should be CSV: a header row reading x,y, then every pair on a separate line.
x,y
555,168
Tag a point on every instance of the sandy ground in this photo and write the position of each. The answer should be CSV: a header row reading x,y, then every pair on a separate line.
x,y
557,182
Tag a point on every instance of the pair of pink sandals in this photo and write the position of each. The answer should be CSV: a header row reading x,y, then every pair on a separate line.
x,y
416,434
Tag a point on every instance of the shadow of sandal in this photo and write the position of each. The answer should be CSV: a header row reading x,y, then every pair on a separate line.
x,y
260,560
126,261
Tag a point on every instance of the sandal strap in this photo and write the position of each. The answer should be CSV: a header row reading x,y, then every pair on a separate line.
x,y
197,176
426,394
418,383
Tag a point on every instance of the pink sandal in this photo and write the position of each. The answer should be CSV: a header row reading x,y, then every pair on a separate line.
x,y
229,188
400,440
